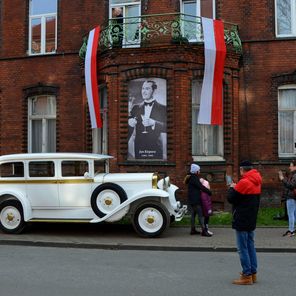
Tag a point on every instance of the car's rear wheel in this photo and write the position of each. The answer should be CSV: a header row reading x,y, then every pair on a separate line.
x,y
11,216
151,219
106,198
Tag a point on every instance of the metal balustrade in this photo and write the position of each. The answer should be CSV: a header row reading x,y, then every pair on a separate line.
x,y
159,29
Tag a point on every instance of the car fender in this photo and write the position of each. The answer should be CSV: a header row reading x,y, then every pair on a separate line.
x,y
142,194
27,209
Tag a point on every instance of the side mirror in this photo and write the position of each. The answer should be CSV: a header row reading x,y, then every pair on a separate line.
x,y
86,175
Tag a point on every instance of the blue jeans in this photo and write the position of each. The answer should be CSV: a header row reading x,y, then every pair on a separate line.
x,y
291,209
247,252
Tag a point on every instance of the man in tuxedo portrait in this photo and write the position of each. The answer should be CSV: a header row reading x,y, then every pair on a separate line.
x,y
147,125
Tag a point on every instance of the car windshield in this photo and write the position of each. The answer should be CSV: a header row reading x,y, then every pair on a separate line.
x,y
100,166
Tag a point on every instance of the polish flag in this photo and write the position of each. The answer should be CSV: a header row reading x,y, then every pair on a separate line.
x,y
91,79
211,107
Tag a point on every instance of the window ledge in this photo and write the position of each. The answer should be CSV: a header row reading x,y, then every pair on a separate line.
x,y
208,158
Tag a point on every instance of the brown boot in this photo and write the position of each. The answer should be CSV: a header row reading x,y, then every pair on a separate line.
x,y
254,277
244,280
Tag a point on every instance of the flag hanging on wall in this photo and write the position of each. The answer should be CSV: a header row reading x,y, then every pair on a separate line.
x,y
211,106
91,79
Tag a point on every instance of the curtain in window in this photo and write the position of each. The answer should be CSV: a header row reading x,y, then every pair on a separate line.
x,y
51,135
286,131
36,136
42,126
287,108
284,13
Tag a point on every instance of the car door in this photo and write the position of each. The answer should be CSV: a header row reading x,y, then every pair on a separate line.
x,y
41,184
75,183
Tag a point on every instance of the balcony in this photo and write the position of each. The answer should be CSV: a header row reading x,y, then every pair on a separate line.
x,y
160,29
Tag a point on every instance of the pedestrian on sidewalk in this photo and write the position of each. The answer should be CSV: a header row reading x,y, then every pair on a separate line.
x,y
245,199
289,195
206,203
194,201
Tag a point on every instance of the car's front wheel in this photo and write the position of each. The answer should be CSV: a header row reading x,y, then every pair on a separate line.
x,y
11,216
151,219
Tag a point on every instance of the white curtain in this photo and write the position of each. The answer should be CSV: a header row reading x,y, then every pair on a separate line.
x,y
284,13
287,107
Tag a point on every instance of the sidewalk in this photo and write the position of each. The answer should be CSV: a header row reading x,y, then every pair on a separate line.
x,y
110,236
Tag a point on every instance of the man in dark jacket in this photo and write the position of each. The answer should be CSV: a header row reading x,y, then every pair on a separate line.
x,y
245,198
194,200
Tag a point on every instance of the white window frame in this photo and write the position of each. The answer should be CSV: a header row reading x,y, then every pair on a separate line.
x,y
220,148
281,154
43,32
198,7
197,33
124,4
293,20
44,118
100,135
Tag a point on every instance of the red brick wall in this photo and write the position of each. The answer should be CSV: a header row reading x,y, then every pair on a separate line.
x,y
62,70
250,88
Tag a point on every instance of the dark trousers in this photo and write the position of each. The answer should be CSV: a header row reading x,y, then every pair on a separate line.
x,y
196,210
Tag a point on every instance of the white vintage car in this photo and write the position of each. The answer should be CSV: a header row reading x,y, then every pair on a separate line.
x,y
77,187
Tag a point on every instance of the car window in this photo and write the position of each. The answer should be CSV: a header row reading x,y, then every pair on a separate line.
x,y
74,168
41,169
100,166
12,170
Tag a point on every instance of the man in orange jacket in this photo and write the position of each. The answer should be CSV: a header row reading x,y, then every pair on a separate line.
x,y
245,199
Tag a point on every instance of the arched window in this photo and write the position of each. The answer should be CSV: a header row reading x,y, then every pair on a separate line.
x,y
287,120
42,123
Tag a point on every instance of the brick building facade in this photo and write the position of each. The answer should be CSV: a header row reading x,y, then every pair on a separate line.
x,y
43,105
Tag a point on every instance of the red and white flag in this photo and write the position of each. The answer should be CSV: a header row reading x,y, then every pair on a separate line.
x,y
211,106
91,79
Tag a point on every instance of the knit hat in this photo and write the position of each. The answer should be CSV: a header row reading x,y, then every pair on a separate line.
x,y
194,168
245,163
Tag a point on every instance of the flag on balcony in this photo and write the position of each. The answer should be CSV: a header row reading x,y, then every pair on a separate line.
x,y
211,107
91,79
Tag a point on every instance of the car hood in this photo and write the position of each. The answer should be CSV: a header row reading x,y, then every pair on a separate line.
x,y
123,177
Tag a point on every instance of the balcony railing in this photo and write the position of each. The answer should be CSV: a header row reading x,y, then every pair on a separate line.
x,y
160,29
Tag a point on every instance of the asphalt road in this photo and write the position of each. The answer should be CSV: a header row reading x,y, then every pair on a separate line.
x,y
35,271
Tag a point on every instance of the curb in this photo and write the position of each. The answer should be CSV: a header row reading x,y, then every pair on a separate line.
x,y
136,247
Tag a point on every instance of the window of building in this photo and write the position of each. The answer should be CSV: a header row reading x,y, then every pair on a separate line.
x,y
287,120
125,22
191,9
190,25
285,18
42,26
207,140
42,124
99,135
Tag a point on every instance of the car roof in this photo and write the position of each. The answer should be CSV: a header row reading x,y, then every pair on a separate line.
x,y
51,156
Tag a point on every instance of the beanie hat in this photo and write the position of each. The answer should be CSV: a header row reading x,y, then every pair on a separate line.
x,y
194,168
246,163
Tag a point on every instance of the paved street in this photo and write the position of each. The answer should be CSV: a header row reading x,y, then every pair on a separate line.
x,y
35,271
110,236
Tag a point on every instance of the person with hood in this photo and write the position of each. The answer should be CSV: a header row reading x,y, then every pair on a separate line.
x,y
194,200
289,183
245,199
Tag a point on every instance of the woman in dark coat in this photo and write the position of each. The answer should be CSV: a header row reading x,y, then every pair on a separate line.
x,y
290,197
194,201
